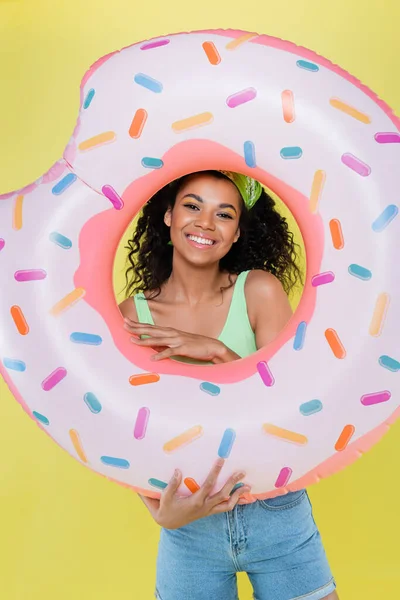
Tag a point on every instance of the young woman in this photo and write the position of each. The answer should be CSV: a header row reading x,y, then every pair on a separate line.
x,y
211,261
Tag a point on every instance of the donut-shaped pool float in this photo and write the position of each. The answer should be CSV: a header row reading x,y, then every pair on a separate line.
x,y
296,411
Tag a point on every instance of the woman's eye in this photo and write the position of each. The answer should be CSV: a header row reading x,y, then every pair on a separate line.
x,y
192,206
225,215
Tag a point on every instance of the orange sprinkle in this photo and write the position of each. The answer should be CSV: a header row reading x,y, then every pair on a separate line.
x,y
144,378
349,110
212,53
288,106
98,140
233,44
379,316
191,485
19,320
192,122
336,234
285,434
68,301
316,190
75,439
138,121
345,437
335,344
17,214
183,439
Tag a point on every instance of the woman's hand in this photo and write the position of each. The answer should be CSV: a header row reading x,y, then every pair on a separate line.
x,y
172,512
179,343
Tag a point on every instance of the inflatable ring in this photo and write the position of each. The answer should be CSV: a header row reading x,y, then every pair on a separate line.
x,y
300,409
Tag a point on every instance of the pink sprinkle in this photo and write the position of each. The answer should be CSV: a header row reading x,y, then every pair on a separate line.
x,y
112,195
375,398
388,138
30,275
283,477
356,164
322,278
2,243
55,377
141,423
157,44
265,373
241,97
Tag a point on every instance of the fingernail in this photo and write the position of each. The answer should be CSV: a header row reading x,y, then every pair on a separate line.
x,y
240,475
220,462
246,490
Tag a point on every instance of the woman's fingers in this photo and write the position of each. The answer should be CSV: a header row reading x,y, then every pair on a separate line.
x,y
224,493
172,486
210,481
159,340
231,503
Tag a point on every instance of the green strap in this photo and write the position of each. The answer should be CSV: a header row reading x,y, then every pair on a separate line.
x,y
142,309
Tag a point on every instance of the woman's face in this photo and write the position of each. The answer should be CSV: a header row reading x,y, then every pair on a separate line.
x,y
204,221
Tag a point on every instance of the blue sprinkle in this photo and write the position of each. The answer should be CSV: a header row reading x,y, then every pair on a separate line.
x,y
158,484
60,240
92,402
14,364
89,98
300,336
85,338
226,444
360,272
308,66
291,152
385,218
149,83
311,407
152,163
63,184
41,418
389,363
236,487
210,388
250,154
111,461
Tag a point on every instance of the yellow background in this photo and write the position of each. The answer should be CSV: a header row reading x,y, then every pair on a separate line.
x,y
65,532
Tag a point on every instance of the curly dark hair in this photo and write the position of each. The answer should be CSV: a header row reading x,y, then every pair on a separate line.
x,y
265,243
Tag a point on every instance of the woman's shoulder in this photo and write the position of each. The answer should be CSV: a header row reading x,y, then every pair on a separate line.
x,y
128,308
263,284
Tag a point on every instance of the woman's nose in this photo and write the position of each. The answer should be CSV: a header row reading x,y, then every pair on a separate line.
x,y
205,221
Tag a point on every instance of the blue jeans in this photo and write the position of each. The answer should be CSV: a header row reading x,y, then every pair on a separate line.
x,y
276,542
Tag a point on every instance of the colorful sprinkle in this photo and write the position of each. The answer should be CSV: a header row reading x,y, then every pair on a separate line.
x,y
379,316
78,337
265,373
300,336
158,483
113,197
185,438
142,420
308,66
92,403
283,477
388,138
335,227
149,83
98,140
192,122
41,418
386,217
241,97
54,378
311,407
30,275
19,320
14,364
288,106
389,363
250,154
60,240
112,461
316,190
69,300
191,484
226,444
152,163
2,243
233,44
356,164
236,487
349,110
155,44
322,278
285,434
335,344
344,438
89,98
64,184
144,379
17,213
138,122
360,272
76,441
291,152
210,388
212,53
375,398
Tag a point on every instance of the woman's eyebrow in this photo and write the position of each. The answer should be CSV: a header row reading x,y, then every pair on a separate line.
x,y
200,199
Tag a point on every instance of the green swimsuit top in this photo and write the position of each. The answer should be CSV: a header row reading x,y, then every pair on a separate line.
x,y
237,333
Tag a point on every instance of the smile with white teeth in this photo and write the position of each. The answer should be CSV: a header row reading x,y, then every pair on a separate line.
x,y
200,240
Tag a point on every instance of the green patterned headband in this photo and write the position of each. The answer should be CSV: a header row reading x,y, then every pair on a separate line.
x,y
249,188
